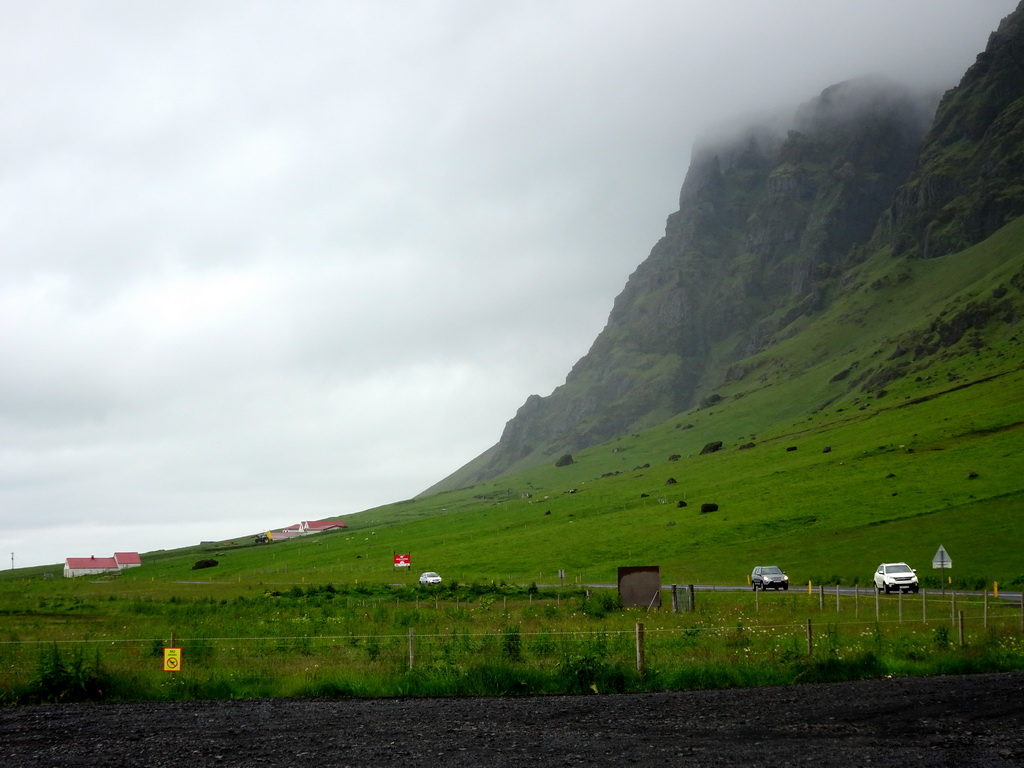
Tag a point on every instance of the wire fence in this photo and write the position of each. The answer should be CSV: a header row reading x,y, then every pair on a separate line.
x,y
835,626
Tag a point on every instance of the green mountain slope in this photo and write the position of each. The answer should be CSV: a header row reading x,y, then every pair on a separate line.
x,y
775,234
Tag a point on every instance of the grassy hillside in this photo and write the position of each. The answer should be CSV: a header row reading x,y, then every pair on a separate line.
x,y
925,428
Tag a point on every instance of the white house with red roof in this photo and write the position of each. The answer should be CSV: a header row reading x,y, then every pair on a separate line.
x,y
127,560
307,527
93,566
319,526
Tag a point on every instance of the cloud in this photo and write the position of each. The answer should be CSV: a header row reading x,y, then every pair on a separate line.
x,y
265,262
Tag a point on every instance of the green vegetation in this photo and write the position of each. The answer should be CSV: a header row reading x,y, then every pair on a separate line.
x,y
104,641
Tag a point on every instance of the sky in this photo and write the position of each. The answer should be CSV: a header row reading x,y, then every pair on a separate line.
x,y
266,261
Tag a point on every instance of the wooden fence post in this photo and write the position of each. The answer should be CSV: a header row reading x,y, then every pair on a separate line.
x,y
410,648
961,616
810,641
924,606
837,598
675,599
640,649
690,601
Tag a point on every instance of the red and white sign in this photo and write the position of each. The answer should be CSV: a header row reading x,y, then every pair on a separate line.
x,y
403,561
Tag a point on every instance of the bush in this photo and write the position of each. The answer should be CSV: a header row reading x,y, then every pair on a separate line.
x,y
56,680
511,644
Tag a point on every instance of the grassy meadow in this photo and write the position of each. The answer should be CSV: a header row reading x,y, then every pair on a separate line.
x,y
105,641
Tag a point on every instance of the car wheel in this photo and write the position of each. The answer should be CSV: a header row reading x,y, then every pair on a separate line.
x,y
786,588
753,587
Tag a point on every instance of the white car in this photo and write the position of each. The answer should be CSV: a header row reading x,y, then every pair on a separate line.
x,y
895,577
429,578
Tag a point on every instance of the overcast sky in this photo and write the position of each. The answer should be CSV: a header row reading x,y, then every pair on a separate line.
x,y
263,262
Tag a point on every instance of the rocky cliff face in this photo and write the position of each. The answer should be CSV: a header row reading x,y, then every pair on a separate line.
x,y
768,222
968,182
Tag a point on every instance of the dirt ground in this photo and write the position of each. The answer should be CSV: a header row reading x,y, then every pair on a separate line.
x,y
975,720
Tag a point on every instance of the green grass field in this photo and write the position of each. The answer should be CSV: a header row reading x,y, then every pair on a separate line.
x,y
105,641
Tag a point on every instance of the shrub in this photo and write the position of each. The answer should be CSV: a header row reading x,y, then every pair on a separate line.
x,y
56,680
511,644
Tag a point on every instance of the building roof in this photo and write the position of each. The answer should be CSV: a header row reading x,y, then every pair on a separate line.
x,y
322,525
79,563
128,558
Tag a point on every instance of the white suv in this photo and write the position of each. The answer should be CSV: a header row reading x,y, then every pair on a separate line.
x,y
895,577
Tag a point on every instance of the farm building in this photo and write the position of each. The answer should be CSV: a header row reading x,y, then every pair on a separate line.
x,y
307,527
127,560
92,566
318,526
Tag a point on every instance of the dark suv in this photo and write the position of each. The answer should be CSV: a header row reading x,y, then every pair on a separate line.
x,y
769,577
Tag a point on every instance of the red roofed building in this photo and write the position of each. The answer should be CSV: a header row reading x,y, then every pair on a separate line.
x,y
127,560
91,566
307,527
318,526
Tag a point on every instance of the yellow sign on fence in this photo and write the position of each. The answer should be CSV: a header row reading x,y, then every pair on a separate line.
x,y
172,659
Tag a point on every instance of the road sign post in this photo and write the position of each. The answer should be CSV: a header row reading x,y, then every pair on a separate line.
x,y
942,561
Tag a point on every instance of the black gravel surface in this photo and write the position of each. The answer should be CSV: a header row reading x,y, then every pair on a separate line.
x,y
975,720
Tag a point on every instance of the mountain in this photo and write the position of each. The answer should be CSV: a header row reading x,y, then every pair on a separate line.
x,y
772,229
969,178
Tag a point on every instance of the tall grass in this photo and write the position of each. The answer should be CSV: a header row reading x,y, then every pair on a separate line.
x,y
335,641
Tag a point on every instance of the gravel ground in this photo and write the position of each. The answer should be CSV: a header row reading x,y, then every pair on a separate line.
x,y
973,720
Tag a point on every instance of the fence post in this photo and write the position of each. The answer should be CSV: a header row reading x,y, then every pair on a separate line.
x,y
876,604
986,609
924,605
757,603
690,602
410,648
837,598
952,607
821,597
856,601
899,603
675,599
640,649
961,615
810,641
